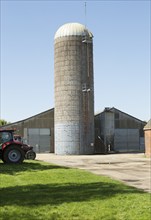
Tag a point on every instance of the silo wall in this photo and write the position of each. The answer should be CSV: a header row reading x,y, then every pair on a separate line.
x,y
74,96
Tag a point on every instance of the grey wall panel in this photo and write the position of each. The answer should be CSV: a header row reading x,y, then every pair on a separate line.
x,y
142,144
44,143
40,139
133,139
126,140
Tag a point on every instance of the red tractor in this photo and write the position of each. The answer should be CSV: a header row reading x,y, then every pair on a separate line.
x,y
12,149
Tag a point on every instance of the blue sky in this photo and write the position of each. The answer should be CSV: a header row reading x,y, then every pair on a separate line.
x,y
121,32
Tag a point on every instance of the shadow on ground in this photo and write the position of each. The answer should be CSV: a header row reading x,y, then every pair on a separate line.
x,y
28,165
55,194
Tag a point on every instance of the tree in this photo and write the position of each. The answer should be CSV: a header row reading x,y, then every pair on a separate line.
x,y
3,122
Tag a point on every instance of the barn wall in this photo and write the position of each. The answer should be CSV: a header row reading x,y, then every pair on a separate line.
x,y
106,131
119,132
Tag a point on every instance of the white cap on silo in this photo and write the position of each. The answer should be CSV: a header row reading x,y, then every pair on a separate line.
x,y
72,29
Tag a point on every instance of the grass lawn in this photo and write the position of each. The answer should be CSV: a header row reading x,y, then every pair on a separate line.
x,y
36,190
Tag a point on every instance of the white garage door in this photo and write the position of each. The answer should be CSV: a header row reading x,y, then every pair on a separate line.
x,y
39,138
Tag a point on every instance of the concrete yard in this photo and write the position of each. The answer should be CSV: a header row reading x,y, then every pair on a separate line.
x,y
132,169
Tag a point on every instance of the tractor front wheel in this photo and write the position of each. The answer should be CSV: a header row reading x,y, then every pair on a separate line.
x,y
30,155
13,154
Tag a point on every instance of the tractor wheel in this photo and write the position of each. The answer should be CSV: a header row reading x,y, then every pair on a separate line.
x,y
30,155
13,154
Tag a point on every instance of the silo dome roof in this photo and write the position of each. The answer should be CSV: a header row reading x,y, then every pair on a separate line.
x,y
72,29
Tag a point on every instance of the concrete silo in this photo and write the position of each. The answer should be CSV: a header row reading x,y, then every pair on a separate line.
x,y
74,90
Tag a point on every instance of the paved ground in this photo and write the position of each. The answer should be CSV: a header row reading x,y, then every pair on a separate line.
x,y
133,169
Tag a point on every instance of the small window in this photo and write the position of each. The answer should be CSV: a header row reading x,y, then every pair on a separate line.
x,y
116,115
5,136
117,124
84,87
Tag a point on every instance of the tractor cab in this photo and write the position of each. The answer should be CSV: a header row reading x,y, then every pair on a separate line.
x,y
6,136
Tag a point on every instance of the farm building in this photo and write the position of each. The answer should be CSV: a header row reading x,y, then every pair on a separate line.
x,y
38,131
118,132
114,131
147,130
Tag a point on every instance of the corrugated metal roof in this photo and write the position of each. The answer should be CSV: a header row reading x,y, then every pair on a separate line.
x,y
7,125
111,109
148,125
72,29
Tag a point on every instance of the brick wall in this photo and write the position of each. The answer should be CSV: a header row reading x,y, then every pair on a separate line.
x,y
148,143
